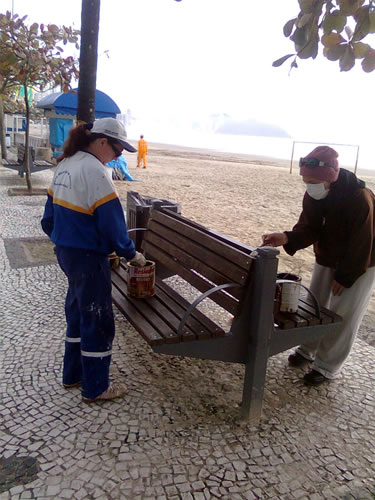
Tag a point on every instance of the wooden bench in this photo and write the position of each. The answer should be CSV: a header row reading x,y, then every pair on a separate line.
x,y
239,279
19,166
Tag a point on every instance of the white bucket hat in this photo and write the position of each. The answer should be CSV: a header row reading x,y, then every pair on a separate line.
x,y
112,128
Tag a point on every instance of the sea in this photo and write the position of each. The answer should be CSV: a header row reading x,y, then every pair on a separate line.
x,y
350,155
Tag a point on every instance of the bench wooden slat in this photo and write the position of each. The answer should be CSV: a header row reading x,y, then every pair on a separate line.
x,y
305,316
197,319
222,299
137,320
199,234
164,312
195,331
289,320
146,308
186,261
310,318
235,245
310,309
334,317
327,315
192,254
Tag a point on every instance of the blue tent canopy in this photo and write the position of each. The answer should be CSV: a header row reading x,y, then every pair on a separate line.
x,y
66,104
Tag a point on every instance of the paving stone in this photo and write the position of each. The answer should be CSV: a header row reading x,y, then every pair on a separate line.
x,y
162,440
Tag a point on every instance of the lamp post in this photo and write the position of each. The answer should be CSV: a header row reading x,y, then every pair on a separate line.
x,y
88,60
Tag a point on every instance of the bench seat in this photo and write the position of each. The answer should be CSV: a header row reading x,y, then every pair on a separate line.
x,y
157,318
37,166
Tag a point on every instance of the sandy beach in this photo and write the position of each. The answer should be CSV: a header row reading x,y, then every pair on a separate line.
x,y
241,196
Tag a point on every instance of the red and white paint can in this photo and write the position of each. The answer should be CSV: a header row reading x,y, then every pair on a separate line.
x,y
141,280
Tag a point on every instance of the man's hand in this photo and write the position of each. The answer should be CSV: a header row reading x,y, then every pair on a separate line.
x,y
138,260
274,239
337,289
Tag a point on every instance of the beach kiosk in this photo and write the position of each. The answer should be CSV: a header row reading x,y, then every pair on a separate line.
x,y
61,110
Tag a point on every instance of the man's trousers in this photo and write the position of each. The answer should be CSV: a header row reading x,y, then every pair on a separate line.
x,y
330,352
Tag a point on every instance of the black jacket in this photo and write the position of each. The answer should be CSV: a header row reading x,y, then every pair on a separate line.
x,y
341,228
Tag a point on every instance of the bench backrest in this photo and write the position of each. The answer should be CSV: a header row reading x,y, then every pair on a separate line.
x,y
200,256
21,153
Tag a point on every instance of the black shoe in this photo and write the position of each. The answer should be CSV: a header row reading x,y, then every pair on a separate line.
x,y
297,360
314,378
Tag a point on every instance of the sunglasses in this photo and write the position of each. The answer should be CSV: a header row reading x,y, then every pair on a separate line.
x,y
312,163
115,150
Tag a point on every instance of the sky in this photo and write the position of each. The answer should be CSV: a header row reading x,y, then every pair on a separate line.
x,y
173,63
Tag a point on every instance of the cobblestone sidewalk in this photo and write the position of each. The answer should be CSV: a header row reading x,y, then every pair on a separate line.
x,y
176,435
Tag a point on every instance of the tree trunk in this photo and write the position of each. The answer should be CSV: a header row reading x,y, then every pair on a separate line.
x,y
27,158
88,60
2,131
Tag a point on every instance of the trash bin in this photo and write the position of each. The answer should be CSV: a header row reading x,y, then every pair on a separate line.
x,y
8,142
138,208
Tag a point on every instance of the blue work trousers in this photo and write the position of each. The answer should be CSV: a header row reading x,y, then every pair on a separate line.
x,y
90,322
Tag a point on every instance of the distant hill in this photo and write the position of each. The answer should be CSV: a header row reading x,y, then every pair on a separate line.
x,y
250,127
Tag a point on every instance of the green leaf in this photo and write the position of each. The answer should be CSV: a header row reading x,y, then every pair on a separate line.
x,y
372,21
288,27
331,39
349,7
360,49
335,53
300,37
368,63
362,28
334,21
281,61
306,5
311,50
302,21
347,61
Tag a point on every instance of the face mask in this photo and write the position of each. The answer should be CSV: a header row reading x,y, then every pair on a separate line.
x,y
317,191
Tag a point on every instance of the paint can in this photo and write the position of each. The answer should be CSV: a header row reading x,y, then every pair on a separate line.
x,y
287,294
141,280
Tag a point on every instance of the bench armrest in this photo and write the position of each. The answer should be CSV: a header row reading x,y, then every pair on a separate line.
x,y
315,302
137,229
197,301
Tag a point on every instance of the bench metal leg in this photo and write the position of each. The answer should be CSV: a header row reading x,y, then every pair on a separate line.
x,y
259,304
253,388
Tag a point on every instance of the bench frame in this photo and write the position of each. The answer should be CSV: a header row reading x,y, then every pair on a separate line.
x,y
35,166
252,338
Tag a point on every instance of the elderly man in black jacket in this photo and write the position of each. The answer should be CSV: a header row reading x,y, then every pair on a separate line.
x,y
338,220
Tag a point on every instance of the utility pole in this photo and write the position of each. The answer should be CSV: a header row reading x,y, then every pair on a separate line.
x,y
88,60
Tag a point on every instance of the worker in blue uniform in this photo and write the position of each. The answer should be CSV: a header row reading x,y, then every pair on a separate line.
x,y
84,218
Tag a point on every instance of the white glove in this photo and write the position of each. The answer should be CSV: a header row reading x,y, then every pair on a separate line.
x,y
138,260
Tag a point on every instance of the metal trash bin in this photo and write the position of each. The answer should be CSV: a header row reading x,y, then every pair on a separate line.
x,y
138,208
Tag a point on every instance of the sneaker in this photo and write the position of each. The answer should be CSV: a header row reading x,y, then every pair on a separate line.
x,y
297,360
115,390
71,386
314,378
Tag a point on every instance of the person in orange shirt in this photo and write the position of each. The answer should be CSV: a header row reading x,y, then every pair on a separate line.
x,y
142,152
